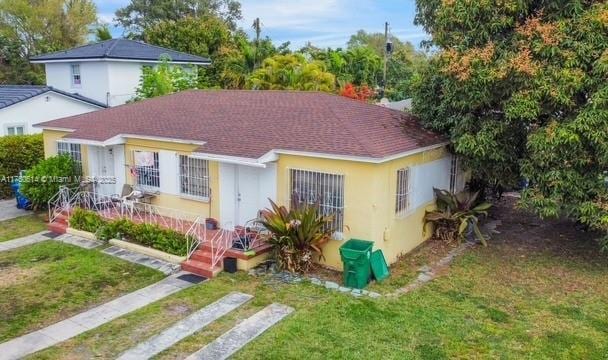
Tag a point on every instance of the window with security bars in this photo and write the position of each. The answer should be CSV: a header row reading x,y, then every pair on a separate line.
x,y
194,176
73,151
146,169
454,172
402,203
322,189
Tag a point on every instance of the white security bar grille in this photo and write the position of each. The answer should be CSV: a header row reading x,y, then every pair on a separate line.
x,y
73,151
322,189
146,169
454,170
403,191
194,176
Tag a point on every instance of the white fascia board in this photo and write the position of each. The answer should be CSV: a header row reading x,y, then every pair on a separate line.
x,y
118,60
121,139
53,128
273,155
229,159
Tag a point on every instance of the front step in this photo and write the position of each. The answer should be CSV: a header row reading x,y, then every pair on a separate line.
x,y
57,227
200,268
202,256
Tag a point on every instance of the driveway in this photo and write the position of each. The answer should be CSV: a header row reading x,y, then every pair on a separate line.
x,y
8,210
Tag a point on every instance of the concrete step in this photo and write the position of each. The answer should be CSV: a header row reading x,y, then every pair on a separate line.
x,y
200,268
202,256
186,327
229,343
57,227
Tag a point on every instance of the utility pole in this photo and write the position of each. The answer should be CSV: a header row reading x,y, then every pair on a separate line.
x,y
385,57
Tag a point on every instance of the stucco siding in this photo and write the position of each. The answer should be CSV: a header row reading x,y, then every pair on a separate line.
x,y
41,108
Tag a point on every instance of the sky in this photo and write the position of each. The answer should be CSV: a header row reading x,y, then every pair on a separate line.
x,y
325,23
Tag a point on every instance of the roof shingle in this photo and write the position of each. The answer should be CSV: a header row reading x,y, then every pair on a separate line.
x,y
13,94
249,124
122,49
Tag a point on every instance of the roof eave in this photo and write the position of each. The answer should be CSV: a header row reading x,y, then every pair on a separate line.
x,y
115,59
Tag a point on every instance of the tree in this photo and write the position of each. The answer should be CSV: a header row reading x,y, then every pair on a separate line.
x,y
141,15
291,72
361,93
103,33
164,79
521,89
29,28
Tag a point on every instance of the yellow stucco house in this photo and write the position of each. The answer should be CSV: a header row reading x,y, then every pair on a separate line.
x,y
223,154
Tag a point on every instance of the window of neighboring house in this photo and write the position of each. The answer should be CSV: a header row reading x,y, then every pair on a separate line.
x,y
76,79
402,203
322,189
73,151
454,173
194,177
15,130
146,169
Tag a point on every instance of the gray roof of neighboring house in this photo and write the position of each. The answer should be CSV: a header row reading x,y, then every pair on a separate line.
x,y
401,105
13,94
121,49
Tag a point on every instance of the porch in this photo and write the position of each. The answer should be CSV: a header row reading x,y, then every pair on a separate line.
x,y
206,246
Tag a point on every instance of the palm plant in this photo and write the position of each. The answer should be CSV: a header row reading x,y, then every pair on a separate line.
x,y
455,214
297,235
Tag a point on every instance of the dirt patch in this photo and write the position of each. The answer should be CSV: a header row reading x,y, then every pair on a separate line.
x,y
13,275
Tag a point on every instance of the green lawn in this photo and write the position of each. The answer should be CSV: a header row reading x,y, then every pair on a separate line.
x,y
50,281
538,291
21,226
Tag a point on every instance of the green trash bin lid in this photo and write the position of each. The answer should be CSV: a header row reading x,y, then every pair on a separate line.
x,y
379,267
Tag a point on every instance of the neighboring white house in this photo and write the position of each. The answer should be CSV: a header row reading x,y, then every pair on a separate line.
x,y
22,106
108,71
82,79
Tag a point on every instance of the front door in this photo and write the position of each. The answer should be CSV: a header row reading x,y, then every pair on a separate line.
x,y
247,185
105,173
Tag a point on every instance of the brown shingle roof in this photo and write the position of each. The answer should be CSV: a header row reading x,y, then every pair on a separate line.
x,y
251,123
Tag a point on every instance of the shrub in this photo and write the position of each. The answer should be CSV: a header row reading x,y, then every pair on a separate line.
x,y
455,215
86,220
42,181
18,153
296,235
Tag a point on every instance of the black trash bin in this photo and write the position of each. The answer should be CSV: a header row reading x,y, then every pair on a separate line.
x,y
230,265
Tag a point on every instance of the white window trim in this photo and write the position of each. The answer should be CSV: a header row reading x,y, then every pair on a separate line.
x,y
339,233
15,125
403,191
71,151
189,196
147,187
73,74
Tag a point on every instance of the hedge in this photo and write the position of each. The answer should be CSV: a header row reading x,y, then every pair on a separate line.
x,y
17,153
153,236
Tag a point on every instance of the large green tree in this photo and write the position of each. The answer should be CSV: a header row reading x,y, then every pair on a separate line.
x,y
141,15
29,28
292,72
522,89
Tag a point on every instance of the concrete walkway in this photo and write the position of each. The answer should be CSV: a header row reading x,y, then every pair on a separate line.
x,y
8,210
186,327
226,345
76,325
78,241
24,241
157,264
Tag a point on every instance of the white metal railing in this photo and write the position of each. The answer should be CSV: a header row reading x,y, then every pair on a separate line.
x,y
195,236
220,243
61,202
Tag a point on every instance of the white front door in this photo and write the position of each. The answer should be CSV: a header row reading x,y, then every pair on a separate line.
x,y
105,173
247,185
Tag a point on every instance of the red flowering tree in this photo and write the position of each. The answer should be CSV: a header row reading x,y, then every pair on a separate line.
x,y
361,93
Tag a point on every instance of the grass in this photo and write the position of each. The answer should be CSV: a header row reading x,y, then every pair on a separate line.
x,y
539,291
21,226
50,281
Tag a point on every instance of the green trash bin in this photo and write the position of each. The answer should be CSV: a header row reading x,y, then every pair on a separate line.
x,y
355,256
